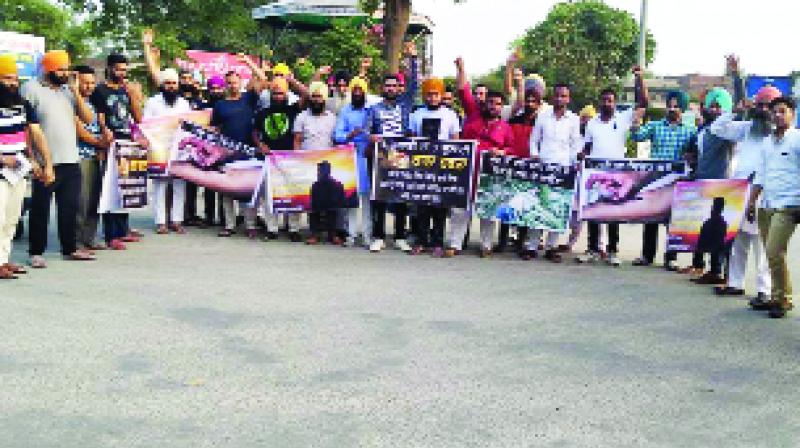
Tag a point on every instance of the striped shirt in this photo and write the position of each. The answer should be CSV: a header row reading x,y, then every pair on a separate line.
x,y
14,122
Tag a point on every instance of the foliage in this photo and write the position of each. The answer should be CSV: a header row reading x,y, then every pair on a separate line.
x,y
179,24
46,19
344,45
586,44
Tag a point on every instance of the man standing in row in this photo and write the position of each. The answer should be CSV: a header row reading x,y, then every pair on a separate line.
x,y
669,139
57,104
18,128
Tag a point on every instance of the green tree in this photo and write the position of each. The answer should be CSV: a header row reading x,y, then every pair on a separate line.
x,y
396,15
586,44
224,25
44,18
343,46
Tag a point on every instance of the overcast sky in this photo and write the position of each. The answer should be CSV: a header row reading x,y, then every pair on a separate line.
x,y
692,36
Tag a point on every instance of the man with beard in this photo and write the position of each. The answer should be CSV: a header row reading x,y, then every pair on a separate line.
x,y
388,118
555,139
188,89
313,129
272,130
777,181
57,108
233,117
605,137
92,147
215,91
118,104
168,102
341,92
750,136
521,126
670,139
713,158
484,124
351,128
18,126
436,123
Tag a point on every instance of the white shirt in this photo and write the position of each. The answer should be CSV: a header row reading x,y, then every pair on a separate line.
x,y
608,137
448,123
779,171
556,140
747,154
317,130
155,106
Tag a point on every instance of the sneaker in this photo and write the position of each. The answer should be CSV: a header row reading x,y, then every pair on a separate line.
x,y
588,257
641,261
613,260
38,262
402,245
376,245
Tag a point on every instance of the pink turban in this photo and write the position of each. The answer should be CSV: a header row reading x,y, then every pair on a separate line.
x,y
767,93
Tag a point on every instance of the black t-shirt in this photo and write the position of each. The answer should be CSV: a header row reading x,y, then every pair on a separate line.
x,y
116,106
274,125
234,118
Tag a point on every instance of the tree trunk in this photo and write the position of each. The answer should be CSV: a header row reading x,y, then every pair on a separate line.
x,y
395,24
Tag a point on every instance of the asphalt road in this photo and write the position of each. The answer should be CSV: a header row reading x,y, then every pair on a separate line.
x,y
197,341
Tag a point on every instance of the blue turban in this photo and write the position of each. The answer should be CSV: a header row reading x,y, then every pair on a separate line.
x,y
681,96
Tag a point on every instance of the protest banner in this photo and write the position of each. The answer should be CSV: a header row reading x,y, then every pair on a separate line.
x,y
628,190
209,159
160,133
706,214
27,49
211,64
423,172
313,180
125,180
525,192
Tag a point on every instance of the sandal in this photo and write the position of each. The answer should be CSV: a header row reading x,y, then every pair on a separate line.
x,y
177,228
162,229
7,274
117,245
79,256
15,268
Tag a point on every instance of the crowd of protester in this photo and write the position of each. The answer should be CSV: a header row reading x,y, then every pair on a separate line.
x,y
58,129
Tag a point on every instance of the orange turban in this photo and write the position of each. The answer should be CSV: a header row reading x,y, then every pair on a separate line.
x,y
55,60
8,65
433,85
767,93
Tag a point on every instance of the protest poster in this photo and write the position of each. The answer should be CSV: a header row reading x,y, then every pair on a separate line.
x,y
26,48
525,192
423,172
312,180
160,133
125,181
211,64
209,159
706,214
628,190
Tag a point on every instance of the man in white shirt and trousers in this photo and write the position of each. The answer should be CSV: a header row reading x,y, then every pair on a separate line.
x,y
556,138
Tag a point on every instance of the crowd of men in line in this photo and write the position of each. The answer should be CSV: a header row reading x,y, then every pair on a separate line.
x,y
59,128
